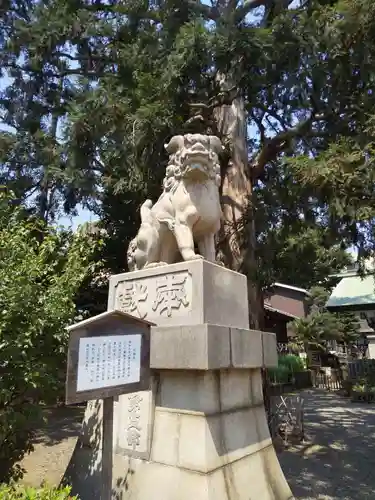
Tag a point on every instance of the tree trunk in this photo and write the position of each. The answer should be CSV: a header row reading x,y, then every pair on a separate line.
x,y
47,190
237,237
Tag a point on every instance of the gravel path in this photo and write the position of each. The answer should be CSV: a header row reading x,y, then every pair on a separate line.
x,y
338,460
53,446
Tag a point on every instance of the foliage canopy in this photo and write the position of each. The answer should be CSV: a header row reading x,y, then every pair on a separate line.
x,y
96,88
321,326
41,270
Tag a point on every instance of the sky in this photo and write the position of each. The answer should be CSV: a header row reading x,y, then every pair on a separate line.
x,y
83,216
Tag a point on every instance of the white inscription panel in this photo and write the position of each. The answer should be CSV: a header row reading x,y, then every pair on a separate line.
x,y
108,361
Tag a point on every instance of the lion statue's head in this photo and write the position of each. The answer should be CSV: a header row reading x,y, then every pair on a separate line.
x,y
193,157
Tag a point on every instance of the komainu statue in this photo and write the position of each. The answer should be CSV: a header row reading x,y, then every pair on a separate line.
x,y
188,212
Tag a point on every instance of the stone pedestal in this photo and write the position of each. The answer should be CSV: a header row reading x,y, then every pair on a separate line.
x,y
201,430
210,441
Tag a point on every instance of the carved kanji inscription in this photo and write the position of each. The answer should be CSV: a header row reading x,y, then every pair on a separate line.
x,y
166,295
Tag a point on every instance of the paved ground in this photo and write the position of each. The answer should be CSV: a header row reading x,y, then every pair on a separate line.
x,y
338,460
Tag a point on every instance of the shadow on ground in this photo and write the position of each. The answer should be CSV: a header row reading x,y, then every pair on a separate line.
x,y
61,423
338,459
54,443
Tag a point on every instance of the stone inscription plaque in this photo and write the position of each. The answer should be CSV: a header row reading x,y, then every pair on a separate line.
x,y
165,296
133,426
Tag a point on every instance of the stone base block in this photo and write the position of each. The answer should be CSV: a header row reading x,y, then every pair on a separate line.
x,y
255,477
200,432
92,425
269,349
208,393
187,293
223,438
210,347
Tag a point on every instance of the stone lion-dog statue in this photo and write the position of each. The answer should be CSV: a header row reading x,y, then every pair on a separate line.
x,y
188,211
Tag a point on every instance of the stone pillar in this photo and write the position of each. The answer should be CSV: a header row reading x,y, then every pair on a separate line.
x,y
371,346
201,430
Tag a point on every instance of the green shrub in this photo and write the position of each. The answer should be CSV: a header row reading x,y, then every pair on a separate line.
x,y
279,375
292,362
19,492
359,388
365,384
41,270
288,365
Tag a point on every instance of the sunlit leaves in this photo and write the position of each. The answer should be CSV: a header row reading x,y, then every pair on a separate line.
x,y
321,326
41,270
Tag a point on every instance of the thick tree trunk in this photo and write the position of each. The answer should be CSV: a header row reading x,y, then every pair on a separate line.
x,y
237,237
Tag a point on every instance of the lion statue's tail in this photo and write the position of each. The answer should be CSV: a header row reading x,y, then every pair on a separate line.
x,y
130,255
146,218
146,215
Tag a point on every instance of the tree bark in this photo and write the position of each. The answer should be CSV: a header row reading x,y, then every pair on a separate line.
x,y
237,238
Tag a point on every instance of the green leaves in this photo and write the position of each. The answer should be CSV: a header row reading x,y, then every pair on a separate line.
x,y
321,326
343,180
18,492
41,271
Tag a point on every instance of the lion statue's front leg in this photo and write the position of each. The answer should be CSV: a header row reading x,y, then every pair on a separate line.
x,y
207,248
186,217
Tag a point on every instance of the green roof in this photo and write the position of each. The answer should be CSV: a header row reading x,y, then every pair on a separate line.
x,y
353,292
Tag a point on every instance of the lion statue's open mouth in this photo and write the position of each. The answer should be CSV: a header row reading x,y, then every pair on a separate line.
x,y
187,212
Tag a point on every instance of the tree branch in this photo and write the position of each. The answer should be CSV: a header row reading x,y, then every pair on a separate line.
x,y
205,10
52,74
250,5
224,98
122,9
279,143
232,4
273,114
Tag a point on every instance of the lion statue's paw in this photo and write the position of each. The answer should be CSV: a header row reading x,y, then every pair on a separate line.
x,y
219,263
155,264
195,256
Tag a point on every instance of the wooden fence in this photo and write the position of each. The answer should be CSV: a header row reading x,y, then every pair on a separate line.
x,y
361,368
329,379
